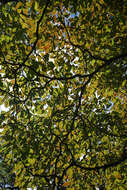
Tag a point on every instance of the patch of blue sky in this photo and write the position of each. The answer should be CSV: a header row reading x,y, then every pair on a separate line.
x,y
73,15
109,106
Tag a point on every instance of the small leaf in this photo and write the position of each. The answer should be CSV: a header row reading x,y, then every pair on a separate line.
x,y
19,4
66,184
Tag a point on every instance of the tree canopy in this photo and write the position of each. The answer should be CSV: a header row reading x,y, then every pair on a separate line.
x,y
63,81
7,179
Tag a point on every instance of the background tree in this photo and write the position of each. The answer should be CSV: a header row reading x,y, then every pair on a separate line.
x,y
7,178
63,71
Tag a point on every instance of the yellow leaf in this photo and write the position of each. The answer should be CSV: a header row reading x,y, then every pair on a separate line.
x,y
87,45
39,43
25,11
31,23
46,47
70,173
19,4
101,2
98,31
56,180
32,160
35,5
40,171
31,151
124,121
19,11
92,9
2,71
66,184
29,48
117,175
13,81
53,12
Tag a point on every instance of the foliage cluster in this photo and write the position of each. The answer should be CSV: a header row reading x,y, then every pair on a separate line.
x,y
63,80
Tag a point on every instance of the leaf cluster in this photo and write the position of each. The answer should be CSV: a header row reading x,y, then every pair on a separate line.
x,y
63,71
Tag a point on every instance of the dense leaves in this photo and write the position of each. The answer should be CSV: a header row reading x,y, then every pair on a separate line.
x,y
7,179
63,71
